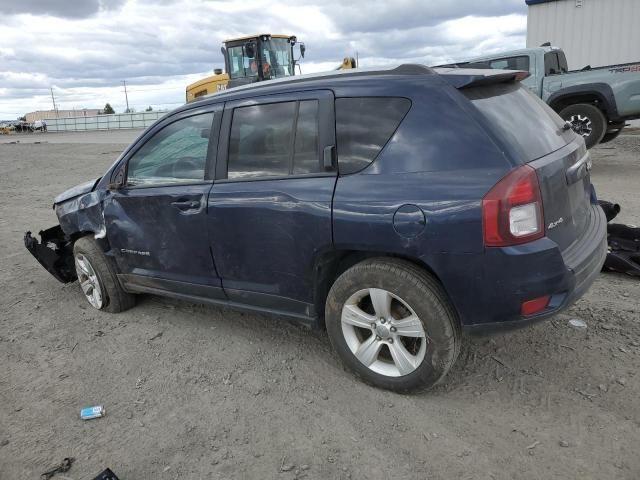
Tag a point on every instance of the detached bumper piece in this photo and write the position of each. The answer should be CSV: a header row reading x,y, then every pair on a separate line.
x,y
54,252
624,243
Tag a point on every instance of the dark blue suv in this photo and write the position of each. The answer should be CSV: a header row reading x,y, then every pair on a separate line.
x,y
395,208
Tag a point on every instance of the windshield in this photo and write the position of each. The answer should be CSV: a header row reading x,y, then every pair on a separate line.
x,y
276,60
240,65
276,53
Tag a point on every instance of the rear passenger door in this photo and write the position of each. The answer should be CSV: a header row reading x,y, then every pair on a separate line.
x,y
270,206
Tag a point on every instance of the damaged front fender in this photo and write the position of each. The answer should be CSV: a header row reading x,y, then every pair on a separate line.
x,y
54,252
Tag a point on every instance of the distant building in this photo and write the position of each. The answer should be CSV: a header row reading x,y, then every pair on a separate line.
x,y
48,114
591,32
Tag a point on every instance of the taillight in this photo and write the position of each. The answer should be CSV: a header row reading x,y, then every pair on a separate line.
x,y
531,307
512,210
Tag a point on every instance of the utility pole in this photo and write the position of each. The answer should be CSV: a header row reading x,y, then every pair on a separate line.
x,y
55,108
126,97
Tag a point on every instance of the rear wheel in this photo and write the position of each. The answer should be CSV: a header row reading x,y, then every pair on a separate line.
x,y
586,120
97,278
392,325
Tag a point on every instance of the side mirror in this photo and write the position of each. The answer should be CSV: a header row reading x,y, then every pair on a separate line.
x,y
117,182
302,49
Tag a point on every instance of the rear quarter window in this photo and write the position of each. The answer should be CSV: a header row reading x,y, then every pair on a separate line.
x,y
363,127
523,122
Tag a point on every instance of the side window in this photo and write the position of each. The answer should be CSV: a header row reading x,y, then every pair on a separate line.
x,y
175,154
551,66
363,126
511,63
276,139
562,62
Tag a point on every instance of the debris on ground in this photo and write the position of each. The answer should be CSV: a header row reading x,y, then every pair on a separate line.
x,y
88,413
106,474
286,467
624,243
62,467
578,323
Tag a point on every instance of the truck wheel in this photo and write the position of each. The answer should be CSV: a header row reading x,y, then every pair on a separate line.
x,y
611,135
392,324
97,278
586,120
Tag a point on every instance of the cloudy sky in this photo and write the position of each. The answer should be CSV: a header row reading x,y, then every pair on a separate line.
x,y
84,49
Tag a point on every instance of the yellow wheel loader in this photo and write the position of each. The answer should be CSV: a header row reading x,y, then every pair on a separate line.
x,y
253,59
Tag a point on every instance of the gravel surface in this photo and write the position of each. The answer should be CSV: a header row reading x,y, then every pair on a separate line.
x,y
202,392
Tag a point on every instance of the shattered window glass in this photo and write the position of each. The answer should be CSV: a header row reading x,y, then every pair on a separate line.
x,y
175,154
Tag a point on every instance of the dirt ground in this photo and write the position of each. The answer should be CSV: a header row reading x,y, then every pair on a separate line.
x,y
202,392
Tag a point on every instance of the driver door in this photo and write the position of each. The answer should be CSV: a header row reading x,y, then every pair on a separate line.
x,y
157,220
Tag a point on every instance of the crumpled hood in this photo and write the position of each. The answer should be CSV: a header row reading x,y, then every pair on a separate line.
x,y
73,192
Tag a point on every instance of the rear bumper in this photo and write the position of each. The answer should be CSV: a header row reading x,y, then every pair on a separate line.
x,y
513,275
54,252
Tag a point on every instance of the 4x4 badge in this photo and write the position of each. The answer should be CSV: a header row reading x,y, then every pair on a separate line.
x,y
555,224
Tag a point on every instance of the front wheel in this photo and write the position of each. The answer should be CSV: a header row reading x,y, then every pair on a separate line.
x,y
97,278
586,120
392,325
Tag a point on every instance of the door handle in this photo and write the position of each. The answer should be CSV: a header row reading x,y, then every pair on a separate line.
x,y
186,204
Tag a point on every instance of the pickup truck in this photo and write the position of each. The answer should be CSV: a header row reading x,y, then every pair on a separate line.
x,y
596,101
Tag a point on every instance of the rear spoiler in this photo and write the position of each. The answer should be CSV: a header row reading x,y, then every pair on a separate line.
x,y
473,77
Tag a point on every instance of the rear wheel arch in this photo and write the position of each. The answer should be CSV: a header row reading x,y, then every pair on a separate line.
x,y
330,266
598,94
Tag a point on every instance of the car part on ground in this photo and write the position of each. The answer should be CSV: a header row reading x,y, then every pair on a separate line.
x,y
624,243
62,467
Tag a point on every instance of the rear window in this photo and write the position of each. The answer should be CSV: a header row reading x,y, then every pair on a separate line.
x,y
511,63
363,126
522,121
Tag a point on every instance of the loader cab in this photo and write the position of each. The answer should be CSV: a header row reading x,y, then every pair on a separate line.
x,y
259,57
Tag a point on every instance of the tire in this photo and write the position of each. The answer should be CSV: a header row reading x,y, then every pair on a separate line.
x,y
414,293
587,121
93,268
612,135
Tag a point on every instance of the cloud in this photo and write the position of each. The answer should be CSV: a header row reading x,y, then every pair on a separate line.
x,y
58,8
84,50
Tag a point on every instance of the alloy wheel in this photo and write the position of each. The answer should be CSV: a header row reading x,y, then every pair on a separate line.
x,y
88,281
581,124
383,332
